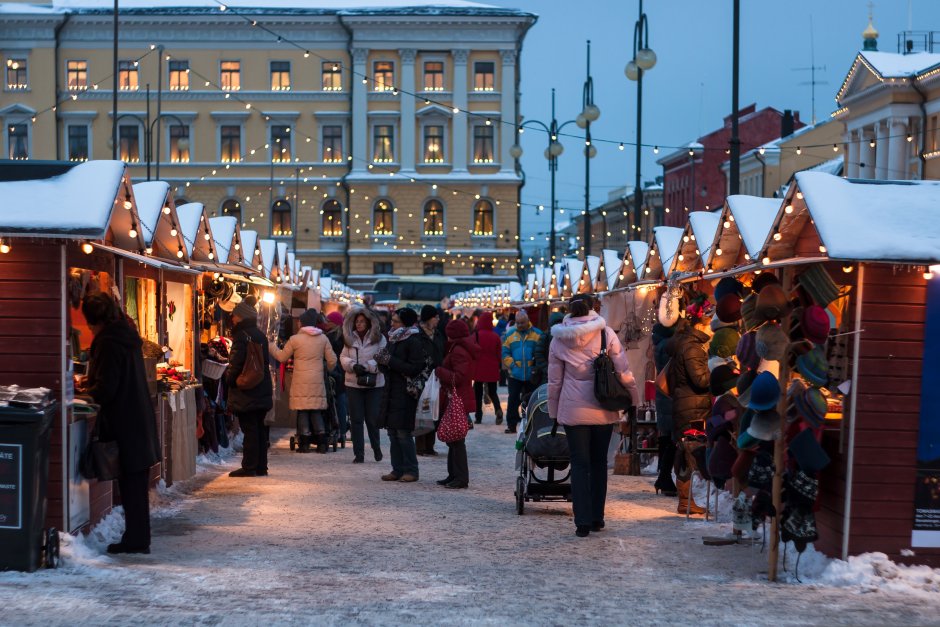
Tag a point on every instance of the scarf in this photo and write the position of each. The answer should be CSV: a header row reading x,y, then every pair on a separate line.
x,y
401,333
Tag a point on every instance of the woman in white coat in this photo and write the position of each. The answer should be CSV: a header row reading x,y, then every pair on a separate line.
x,y
362,335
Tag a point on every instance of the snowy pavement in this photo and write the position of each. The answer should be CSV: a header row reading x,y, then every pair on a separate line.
x,y
324,541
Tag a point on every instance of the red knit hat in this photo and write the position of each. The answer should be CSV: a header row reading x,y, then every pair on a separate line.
x,y
815,324
729,308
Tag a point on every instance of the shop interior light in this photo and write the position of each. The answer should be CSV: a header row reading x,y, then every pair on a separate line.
x,y
268,297
87,248
847,268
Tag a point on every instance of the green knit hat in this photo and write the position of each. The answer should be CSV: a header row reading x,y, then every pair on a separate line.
x,y
748,309
724,342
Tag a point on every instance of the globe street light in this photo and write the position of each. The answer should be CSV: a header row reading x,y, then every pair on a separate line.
x,y
643,60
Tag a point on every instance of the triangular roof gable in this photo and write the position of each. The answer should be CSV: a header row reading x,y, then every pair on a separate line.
x,y
665,246
168,241
744,225
151,198
697,238
268,248
252,254
872,68
283,269
225,236
612,265
194,224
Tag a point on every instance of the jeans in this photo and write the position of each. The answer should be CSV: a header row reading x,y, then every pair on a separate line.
x,y
255,443
588,445
402,450
457,468
516,389
363,409
491,392
341,413
135,497
310,421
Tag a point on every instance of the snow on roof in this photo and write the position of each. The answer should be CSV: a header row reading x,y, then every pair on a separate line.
x,y
754,217
271,4
249,243
864,220
282,258
833,166
639,251
189,215
612,264
77,203
20,7
223,232
667,243
704,226
594,266
559,276
891,64
150,197
575,270
268,252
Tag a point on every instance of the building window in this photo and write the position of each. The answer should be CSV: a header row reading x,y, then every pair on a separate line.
x,y
383,267
433,217
483,268
231,137
483,75
383,218
483,144
332,144
77,75
332,76
383,149
179,144
127,76
332,223
179,75
78,142
16,74
281,219
434,267
280,75
231,75
233,208
383,76
433,76
18,141
331,268
280,144
483,218
434,144
129,135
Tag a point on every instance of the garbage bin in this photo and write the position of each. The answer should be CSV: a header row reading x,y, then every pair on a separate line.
x,y
24,470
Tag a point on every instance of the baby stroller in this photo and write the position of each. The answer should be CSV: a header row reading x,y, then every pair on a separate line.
x,y
334,438
541,453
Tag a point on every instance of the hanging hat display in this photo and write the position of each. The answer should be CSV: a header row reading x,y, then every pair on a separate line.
x,y
765,425
743,463
765,392
802,489
744,386
749,312
728,285
761,474
818,285
721,461
762,280
762,507
812,406
722,379
714,361
771,342
798,526
724,342
746,350
772,303
815,324
728,308
716,324
813,367
807,452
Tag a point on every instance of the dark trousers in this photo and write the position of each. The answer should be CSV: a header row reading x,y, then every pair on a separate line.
x,y
424,444
363,410
310,421
135,497
255,443
341,413
588,445
491,392
402,452
457,468
516,389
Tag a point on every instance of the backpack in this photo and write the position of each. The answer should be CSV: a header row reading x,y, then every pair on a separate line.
x,y
609,390
253,371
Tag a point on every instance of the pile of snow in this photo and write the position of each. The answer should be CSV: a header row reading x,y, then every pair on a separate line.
x,y
868,572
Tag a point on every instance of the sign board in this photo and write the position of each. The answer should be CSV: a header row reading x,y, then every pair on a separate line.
x,y
11,486
926,531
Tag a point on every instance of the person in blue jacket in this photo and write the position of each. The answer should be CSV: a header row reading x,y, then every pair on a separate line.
x,y
518,355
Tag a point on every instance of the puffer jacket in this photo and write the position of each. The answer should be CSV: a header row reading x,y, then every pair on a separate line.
x,y
519,352
361,350
310,348
406,359
661,337
456,372
688,375
576,343
486,365
260,397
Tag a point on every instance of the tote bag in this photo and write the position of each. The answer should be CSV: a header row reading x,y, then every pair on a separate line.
x,y
453,426
428,406
609,390
253,371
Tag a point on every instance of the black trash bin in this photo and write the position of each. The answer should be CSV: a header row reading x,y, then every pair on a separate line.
x,y
24,471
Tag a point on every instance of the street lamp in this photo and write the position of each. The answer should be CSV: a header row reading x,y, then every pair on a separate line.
x,y
643,60
589,113
182,143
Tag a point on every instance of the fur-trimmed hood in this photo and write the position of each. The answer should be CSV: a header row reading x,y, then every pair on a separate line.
x,y
374,335
577,332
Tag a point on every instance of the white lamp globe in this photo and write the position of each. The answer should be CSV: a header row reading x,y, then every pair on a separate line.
x,y
632,71
645,58
591,112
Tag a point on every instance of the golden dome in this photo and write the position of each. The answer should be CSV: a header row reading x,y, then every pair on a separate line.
x,y
870,32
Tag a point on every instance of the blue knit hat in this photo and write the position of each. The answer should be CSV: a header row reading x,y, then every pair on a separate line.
x,y
814,367
765,392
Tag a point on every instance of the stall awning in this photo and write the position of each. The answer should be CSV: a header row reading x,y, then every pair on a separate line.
x,y
153,262
254,280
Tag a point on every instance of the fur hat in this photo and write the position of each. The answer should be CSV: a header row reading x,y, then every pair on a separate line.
x,y
771,342
724,342
728,308
765,392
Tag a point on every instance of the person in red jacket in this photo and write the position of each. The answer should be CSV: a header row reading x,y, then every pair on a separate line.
x,y
456,373
487,365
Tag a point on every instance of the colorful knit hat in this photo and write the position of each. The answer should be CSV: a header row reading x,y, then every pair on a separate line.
x,y
724,342
813,367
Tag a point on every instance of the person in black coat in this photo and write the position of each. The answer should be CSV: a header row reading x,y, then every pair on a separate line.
x,y
402,359
118,382
434,344
667,446
689,377
249,405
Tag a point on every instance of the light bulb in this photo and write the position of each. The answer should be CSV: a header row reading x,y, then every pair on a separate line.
x,y
132,233
4,248
179,253
166,210
211,255
128,204
206,236
765,261
777,237
847,268
149,250
718,252
788,209
822,248
87,248
174,232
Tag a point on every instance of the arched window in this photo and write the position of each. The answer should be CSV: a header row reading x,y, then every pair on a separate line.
x,y
332,213
383,218
232,207
433,217
483,218
281,219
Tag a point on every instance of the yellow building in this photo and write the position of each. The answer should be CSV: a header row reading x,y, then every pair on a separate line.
x,y
375,140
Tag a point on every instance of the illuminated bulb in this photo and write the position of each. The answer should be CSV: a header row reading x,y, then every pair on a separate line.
x,y
149,250
766,261
822,248
777,237
681,257
206,236
211,255
179,253
718,252
799,150
238,246
788,209
132,233
128,204
4,248
847,268
174,232
799,195
927,275
166,211
655,150
87,248
747,257
727,224
835,148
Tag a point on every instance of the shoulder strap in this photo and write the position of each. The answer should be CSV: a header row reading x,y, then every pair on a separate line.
x,y
604,341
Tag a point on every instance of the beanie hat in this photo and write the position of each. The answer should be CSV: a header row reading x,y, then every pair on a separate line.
x,y
245,311
749,312
716,324
761,474
762,280
659,329
715,361
728,308
812,365
818,285
815,324
812,405
746,350
745,381
722,379
407,316
335,317
558,317
806,451
728,285
801,489
765,425
724,342
428,312
309,318
772,303
771,342
765,392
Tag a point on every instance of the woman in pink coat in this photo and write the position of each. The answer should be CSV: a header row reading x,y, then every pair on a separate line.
x,y
576,343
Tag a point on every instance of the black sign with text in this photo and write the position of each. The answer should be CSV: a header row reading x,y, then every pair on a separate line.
x,y
11,486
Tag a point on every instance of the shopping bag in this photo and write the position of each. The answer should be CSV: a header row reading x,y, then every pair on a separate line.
x,y
453,426
428,404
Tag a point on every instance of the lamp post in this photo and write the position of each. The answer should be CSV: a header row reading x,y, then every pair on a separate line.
x,y
148,124
589,113
643,59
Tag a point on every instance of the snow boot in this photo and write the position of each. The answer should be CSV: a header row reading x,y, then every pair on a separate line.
x,y
322,445
499,417
687,504
304,444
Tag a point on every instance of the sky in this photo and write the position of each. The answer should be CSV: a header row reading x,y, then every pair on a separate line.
x,y
688,92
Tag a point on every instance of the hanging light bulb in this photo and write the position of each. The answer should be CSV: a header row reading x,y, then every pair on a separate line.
x,y
87,248
166,210
179,252
799,150
133,232
211,255
128,204
4,247
173,232
148,250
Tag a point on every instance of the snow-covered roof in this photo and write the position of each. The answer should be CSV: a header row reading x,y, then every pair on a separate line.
x,y
151,198
249,244
189,215
893,65
268,256
833,166
594,266
612,265
754,217
704,225
575,270
75,204
223,232
282,260
666,240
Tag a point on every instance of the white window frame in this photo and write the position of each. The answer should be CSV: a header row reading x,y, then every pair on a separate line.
x,y
473,219
87,70
167,123
9,56
424,203
494,123
7,122
342,225
141,140
65,135
396,140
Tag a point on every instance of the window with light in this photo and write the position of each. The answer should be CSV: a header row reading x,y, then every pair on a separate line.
x,y
233,208
17,76
280,75
483,218
17,141
484,73
281,219
433,217
332,223
383,149
128,78
434,76
129,137
383,76
231,75
434,144
280,144
231,138
179,144
332,144
179,75
76,75
78,142
383,218
332,76
482,144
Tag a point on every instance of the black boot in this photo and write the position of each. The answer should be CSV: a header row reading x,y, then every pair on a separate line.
x,y
322,445
667,455
304,444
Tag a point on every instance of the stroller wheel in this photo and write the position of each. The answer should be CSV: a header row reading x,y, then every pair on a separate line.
x,y
520,495
293,443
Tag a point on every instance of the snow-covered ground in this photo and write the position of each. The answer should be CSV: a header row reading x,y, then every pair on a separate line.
x,y
324,541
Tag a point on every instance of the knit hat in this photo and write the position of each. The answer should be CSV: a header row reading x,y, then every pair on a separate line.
x,y
765,392
812,405
428,312
807,452
722,379
746,350
815,324
762,280
716,324
749,312
724,342
772,303
335,317
818,285
802,489
407,316
728,308
745,439
728,285
812,365
309,318
799,526
715,361
744,386
761,474
771,342
245,311
765,425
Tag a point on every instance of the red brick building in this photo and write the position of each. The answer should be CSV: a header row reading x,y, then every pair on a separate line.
x,y
693,179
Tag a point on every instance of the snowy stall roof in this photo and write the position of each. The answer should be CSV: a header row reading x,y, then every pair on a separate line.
x,y
634,263
283,270
593,267
666,240
194,225
695,248
151,197
612,265
745,223
268,248
252,253
159,220
857,220
575,274
225,233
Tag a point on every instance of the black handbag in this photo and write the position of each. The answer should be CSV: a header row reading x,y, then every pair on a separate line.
x,y
100,460
366,379
608,388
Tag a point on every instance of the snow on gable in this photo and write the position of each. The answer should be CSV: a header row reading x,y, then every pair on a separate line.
x,y
753,217
151,198
639,252
268,249
273,4
697,239
594,266
893,65
612,266
194,225
250,247
666,241
224,231
282,268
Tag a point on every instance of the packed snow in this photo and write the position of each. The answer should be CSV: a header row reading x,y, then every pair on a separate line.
x,y
891,64
667,240
150,198
753,216
704,225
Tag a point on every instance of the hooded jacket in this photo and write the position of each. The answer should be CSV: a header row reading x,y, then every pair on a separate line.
x,y
361,350
540,356
310,348
118,383
576,343
688,375
486,366
519,351
456,372
260,397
